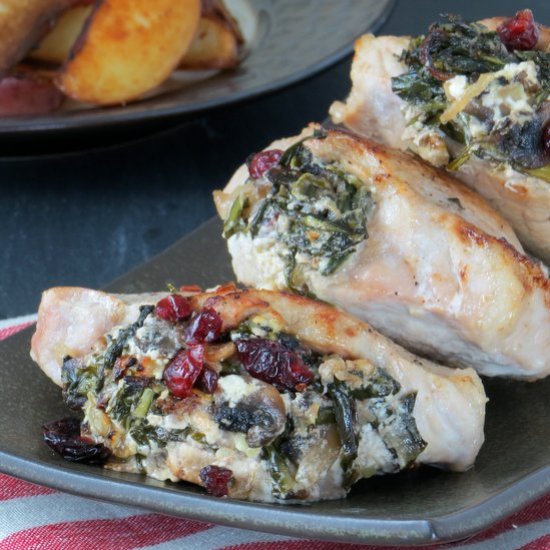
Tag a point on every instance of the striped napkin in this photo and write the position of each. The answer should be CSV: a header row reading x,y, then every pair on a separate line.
x,y
39,518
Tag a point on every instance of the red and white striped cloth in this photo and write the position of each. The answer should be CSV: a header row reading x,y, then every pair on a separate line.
x,y
39,518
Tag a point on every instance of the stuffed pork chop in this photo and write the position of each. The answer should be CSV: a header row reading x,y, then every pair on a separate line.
x,y
394,241
253,394
469,97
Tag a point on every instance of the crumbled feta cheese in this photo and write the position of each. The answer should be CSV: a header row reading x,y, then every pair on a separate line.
x,y
511,101
428,143
512,70
270,266
477,128
235,388
455,87
507,95
372,453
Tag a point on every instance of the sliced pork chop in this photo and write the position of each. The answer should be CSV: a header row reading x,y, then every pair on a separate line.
x,y
294,399
72,320
374,110
395,242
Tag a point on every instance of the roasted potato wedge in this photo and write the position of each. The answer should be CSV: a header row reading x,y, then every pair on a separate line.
x,y
216,44
214,47
28,91
22,24
128,48
56,45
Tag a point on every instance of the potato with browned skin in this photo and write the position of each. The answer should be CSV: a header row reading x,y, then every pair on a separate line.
x,y
22,24
217,42
56,45
128,48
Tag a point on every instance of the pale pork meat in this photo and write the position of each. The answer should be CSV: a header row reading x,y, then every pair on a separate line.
x,y
395,242
72,320
306,400
506,115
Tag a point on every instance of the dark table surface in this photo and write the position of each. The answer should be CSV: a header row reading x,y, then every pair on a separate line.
x,y
86,218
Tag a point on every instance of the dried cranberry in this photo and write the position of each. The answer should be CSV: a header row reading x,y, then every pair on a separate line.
x,y
204,327
173,308
207,380
63,436
520,32
182,372
216,479
263,161
196,354
272,362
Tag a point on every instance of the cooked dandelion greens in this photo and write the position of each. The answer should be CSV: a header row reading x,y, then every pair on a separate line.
x,y
324,211
484,123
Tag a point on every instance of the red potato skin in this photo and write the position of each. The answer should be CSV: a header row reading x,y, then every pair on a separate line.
x,y
26,94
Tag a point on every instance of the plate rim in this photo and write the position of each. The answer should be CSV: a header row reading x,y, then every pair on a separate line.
x,y
38,126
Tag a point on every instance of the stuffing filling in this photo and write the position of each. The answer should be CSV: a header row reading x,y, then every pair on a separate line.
x,y
300,214
471,91
249,411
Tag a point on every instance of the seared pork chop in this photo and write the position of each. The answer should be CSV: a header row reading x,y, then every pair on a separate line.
x,y
484,122
395,242
255,394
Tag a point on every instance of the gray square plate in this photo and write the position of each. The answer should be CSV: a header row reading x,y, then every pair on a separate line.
x,y
418,507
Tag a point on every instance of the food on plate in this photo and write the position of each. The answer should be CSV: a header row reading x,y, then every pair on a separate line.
x,y
112,51
56,45
471,97
28,92
22,23
393,241
127,48
218,40
215,45
254,394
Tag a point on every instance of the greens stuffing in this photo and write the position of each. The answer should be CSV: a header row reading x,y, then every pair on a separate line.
x,y
318,211
463,83
282,403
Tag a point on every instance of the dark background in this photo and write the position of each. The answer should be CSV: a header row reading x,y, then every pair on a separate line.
x,y
86,218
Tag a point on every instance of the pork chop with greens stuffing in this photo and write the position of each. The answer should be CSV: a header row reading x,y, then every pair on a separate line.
x,y
253,394
471,97
393,241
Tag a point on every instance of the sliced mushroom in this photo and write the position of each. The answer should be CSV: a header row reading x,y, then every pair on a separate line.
x,y
251,407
